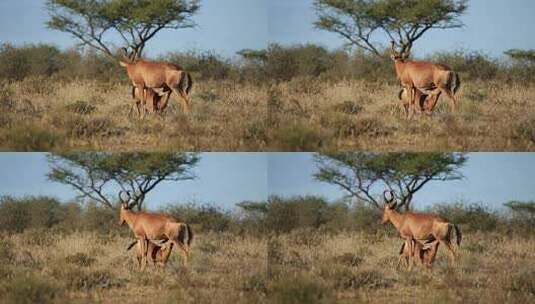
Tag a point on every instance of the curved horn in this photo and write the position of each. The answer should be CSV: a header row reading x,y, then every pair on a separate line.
x,y
393,45
121,197
388,200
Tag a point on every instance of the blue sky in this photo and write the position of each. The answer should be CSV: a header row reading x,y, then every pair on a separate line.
x,y
231,25
225,179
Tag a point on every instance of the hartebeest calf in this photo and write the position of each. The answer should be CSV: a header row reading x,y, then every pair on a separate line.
x,y
151,97
155,75
425,76
420,227
424,255
425,103
159,253
153,227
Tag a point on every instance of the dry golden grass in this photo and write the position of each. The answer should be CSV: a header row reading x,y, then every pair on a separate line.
x,y
38,114
349,268
87,268
306,114
305,266
303,114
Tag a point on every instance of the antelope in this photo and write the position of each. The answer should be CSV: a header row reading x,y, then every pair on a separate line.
x,y
424,255
153,227
166,76
159,254
420,227
425,76
425,103
151,96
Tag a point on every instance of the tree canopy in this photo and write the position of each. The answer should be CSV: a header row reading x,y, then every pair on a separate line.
x,y
360,22
364,176
92,174
134,21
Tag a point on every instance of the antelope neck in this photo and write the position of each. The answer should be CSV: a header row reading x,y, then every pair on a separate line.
x,y
396,218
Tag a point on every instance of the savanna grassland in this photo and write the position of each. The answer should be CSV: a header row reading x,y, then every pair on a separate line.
x,y
308,114
303,266
294,98
301,114
309,267
85,267
42,115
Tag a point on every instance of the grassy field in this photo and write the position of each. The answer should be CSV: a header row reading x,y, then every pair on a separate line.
x,y
347,268
302,114
38,114
38,267
304,266
307,114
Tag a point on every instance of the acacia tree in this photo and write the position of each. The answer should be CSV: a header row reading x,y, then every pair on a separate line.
x,y
92,22
364,176
360,22
95,174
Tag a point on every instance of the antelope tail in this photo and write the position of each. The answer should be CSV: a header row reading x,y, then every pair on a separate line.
x,y
186,82
185,235
455,83
458,234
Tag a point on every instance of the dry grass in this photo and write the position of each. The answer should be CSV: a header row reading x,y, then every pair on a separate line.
x,y
87,267
349,267
303,114
300,267
38,114
306,114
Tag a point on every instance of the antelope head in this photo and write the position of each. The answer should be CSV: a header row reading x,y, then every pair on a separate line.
x,y
125,206
397,56
127,56
389,205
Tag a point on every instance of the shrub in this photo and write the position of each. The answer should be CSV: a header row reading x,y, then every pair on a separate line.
x,y
17,63
30,289
24,137
16,215
300,289
80,259
81,107
204,217
524,281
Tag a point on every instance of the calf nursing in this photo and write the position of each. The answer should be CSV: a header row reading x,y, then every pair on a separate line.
x,y
151,97
425,76
156,75
153,227
420,227
158,254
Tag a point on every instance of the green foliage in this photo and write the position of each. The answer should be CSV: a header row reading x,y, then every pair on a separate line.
x,y
360,173
16,215
136,21
472,217
472,65
524,56
17,63
403,21
204,65
23,137
91,173
204,217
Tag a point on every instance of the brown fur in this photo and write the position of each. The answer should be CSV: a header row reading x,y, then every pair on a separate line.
x,y
426,104
151,97
169,77
423,75
148,227
420,227
425,256
159,254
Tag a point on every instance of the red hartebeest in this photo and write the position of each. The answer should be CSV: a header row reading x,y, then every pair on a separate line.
x,y
425,76
426,104
151,96
424,255
159,253
420,227
153,227
155,75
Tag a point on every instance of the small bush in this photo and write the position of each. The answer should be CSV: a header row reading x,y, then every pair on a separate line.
x,y
300,137
348,260
523,281
23,137
30,289
348,107
7,251
81,107
300,289
80,259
